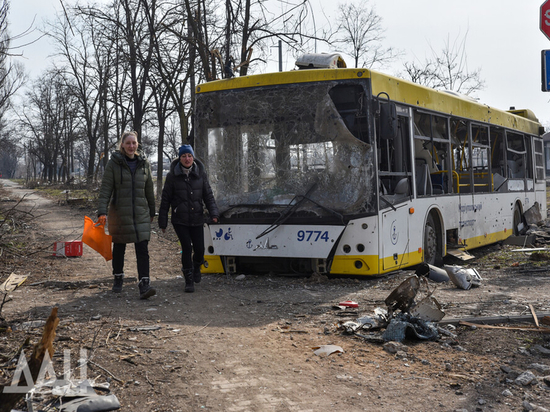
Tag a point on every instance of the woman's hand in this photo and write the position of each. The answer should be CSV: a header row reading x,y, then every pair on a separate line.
x,y
101,220
215,220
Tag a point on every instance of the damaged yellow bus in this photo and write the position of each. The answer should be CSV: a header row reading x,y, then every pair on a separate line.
x,y
353,172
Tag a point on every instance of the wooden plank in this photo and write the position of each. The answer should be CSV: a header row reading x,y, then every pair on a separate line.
x,y
460,254
492,320
524,328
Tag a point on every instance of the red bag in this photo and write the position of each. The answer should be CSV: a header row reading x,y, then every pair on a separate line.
x,y
95,237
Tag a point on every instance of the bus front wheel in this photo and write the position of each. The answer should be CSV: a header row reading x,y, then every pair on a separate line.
x,y
432,243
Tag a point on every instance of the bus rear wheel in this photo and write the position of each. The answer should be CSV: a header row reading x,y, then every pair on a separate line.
x,y
518,218
432,243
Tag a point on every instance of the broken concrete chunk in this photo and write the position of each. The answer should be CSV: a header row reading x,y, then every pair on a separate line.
x,y
394,347
540,350
540,367
526,378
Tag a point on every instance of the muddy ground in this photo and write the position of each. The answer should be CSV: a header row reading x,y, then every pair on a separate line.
x,y
247,345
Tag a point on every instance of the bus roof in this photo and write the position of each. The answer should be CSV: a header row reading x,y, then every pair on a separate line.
x,y
399,90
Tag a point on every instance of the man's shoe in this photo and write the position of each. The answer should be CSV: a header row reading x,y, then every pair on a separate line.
x,y
117,283
145,290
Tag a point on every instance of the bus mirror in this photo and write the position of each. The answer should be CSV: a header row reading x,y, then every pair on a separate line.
x,y
388,121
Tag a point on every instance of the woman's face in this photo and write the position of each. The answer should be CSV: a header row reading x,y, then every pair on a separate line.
x,y
130,145
186,160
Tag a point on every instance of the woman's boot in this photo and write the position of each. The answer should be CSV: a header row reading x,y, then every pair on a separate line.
x,y
189,281
197,272
117,283
145,289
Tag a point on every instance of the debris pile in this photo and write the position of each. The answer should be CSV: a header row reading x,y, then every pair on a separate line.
x,y
404,315
533,232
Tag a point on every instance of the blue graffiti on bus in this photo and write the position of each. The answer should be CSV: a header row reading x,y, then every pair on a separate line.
x,y
219,234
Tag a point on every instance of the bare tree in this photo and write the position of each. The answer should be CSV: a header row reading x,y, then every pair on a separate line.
x,y
362,34
243,37
12,75
251,25
84,53
447,70
50,119
9,150
170,74
133,45
199,28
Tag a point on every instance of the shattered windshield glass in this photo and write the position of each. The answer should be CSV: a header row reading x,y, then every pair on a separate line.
x,y
263,147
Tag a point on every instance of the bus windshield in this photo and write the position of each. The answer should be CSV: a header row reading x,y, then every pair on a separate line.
x,y
267,147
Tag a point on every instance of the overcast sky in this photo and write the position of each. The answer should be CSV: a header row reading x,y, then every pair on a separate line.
x,y
503,40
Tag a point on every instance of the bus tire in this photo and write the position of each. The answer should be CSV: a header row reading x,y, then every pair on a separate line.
x,y
518,218
432,243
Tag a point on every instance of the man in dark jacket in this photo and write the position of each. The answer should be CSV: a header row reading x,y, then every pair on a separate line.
x,y
186,190
127,196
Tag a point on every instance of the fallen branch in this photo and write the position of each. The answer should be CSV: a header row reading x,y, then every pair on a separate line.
x,y
534,315
9,400
105,370
459,376
196,331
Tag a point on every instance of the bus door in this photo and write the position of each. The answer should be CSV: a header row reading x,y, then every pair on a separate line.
x,y
396,180
394,237
462,177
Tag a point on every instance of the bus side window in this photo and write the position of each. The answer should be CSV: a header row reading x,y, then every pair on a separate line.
x,y
498,168
394,165
539,160
516,156
462,182
431,154
480,158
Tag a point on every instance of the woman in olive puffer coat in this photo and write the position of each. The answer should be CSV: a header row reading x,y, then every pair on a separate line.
x,y
127,196
186,190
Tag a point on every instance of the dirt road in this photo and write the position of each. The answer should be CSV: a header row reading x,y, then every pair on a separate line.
x,y
247,345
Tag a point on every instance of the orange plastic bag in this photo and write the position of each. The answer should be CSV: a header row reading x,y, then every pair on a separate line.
x,y
95,237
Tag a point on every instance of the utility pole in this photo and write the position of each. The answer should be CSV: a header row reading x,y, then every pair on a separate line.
x,y
280,55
